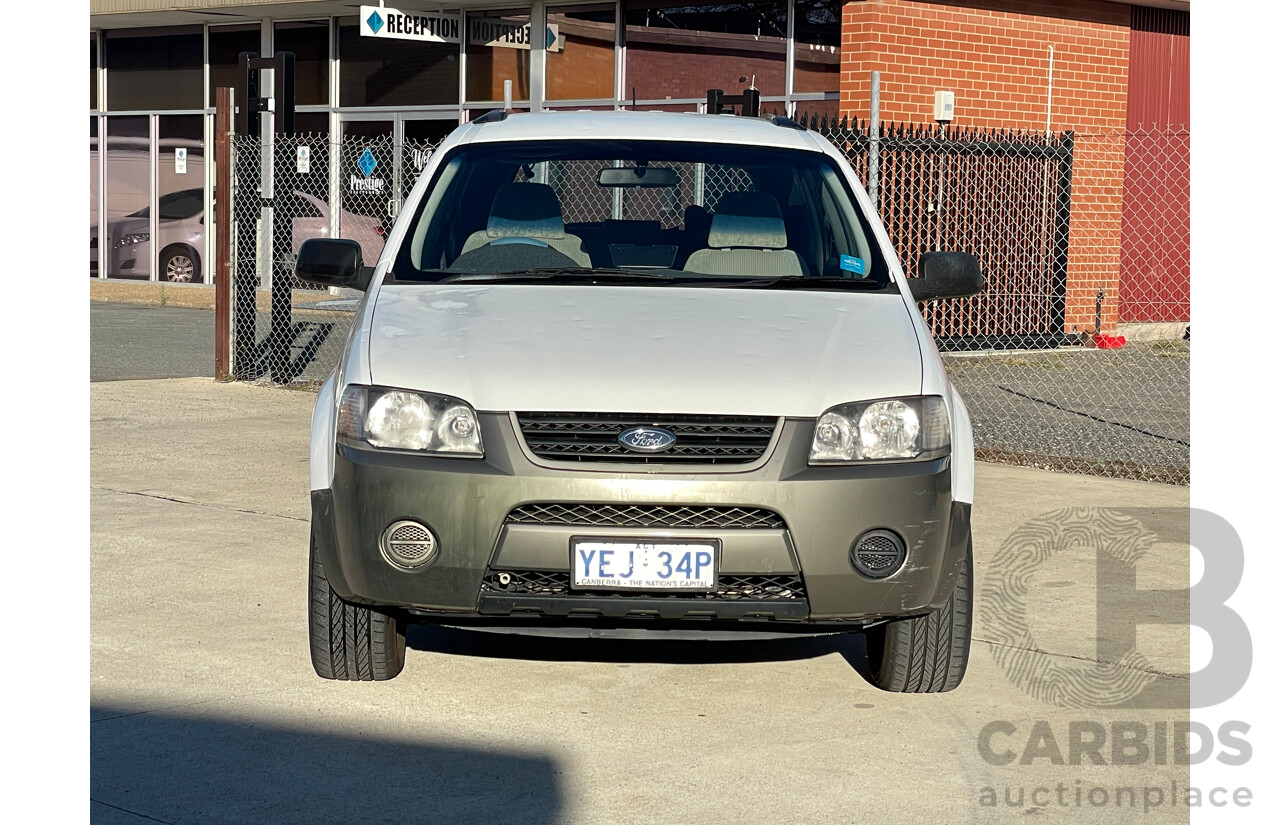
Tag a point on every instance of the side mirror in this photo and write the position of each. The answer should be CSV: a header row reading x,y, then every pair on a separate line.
x,y
946,275
332,262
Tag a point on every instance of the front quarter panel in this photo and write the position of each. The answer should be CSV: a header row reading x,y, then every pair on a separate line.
x,y
961,448
322,435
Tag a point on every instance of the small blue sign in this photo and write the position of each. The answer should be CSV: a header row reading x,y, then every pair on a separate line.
x,y
851,264
367,163
375,23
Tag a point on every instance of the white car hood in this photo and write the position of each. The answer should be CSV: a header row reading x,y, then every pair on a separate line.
x,y
556,348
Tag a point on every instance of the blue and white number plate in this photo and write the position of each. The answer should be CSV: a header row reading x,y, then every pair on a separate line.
x,y
663,564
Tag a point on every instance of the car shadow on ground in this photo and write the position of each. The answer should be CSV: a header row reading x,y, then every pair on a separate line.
x,y
469,642
199,767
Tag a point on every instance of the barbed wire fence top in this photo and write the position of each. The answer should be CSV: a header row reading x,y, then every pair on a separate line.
x,y
1076,357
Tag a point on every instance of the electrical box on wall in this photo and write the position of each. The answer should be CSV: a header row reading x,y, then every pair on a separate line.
x,y
944,106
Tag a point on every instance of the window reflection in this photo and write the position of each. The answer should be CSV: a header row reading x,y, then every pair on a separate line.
x,y
817,33
384,72
497,50
679,49
225,45
153,69
580,62
309,42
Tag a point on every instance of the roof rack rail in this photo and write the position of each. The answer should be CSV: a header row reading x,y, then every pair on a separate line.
x,y
492,116
786,123
719,103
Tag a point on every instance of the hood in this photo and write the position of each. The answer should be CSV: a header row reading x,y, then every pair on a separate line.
x,y
128,225
551,348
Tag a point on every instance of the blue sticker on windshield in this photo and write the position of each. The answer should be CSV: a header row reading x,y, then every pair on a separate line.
x,y
851,264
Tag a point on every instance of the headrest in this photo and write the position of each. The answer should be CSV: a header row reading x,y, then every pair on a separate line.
x,y
747,219
528,210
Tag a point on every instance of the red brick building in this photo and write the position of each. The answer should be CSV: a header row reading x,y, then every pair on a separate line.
x,y
1103,70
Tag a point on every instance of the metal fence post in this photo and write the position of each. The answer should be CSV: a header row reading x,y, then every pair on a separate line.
x,y
873,144
222,125
281,223
1062,223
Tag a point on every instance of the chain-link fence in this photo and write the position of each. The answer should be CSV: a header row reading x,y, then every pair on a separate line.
x,y
1076,356
284,194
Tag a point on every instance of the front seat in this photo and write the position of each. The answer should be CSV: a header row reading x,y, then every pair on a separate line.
x,y
528,213
747,237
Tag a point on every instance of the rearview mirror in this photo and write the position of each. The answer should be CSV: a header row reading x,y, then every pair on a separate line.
x,y
946,275
332,262
638,176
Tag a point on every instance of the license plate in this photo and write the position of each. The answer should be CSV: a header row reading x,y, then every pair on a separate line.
x,y
644,565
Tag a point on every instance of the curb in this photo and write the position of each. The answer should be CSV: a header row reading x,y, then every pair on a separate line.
x,y
189,296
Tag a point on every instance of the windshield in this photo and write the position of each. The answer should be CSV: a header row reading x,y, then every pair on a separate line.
x,y
649,211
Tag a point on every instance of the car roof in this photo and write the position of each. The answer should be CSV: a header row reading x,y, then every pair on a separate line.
x,y
677,126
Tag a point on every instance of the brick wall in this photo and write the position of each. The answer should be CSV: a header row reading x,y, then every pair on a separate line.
x,y
994,55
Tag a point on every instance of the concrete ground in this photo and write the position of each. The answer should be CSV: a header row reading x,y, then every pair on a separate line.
x,y
204,706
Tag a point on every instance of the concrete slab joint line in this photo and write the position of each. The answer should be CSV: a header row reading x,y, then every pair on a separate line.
x,y
177,500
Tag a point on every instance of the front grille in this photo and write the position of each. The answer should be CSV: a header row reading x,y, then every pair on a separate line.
x,y
648,515
765,588
700,439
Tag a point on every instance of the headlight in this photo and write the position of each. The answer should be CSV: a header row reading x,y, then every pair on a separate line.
x,y
403,420
132,238
892,428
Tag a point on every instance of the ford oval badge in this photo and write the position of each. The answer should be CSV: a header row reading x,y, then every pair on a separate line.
x,y
647,439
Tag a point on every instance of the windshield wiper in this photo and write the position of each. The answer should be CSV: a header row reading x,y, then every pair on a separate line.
x,y
552,273
792,282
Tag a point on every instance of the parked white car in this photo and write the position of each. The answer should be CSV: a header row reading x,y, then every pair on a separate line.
x,y
653,374
181,227
127,249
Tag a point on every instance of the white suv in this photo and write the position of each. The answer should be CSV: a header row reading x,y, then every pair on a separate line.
x,y
622,374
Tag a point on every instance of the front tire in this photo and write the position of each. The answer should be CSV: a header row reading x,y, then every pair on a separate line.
x,y
350,641
930,653
180,265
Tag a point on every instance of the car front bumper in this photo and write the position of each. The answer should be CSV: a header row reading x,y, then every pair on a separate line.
x,y
468,504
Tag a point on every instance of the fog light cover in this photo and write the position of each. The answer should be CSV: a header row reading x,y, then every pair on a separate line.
x,y
878,554
409,545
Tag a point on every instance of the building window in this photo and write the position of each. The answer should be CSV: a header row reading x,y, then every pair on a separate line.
x,y
383,72
155,69
817,33
497,51
93,71
677,49
580,60
225,45
309,42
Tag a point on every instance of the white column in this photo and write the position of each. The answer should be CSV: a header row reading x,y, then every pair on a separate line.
x,y
537,56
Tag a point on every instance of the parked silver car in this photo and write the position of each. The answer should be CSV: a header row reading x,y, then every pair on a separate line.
x,y
631,373
127,247
180,221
